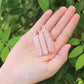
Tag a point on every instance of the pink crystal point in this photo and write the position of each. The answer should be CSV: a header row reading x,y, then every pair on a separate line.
x,y
48,40
43,44
37,44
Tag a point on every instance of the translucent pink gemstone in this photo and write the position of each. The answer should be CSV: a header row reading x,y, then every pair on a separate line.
x,y
37,45
43,44
48,41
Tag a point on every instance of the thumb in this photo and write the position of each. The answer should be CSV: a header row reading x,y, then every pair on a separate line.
x,y
62,54
60,59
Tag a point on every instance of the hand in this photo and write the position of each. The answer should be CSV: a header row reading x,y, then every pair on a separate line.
x,y
23,66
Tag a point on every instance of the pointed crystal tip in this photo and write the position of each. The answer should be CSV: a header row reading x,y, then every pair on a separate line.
x,y
34,33
39,31
44,27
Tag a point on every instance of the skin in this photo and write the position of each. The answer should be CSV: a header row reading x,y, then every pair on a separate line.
x,y
23,66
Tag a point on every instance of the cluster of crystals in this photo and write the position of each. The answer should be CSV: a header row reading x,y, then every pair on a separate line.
x,y
43,42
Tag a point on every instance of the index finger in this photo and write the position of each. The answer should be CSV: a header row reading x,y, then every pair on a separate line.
x,y
44,18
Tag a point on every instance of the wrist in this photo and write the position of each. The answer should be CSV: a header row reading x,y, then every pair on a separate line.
x,y
5,79
9,77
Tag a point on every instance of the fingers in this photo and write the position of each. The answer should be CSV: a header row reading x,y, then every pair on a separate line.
x,y
67,32
62,22
40,22
55,17
59,60
49,23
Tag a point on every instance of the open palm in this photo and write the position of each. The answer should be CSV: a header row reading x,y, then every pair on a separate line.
x,y
23,65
